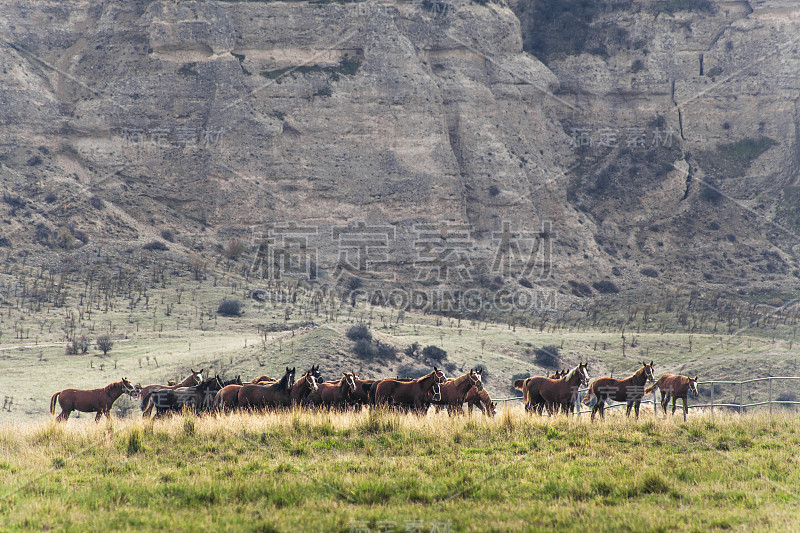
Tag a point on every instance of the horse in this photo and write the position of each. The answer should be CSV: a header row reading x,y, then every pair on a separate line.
x,y
304,386
630,390
675,387
334,395
90,401
408,393
360,396
235,381
195,378
197,398
563,392
227,398
481,399
276,394
453,392
531,384
264,378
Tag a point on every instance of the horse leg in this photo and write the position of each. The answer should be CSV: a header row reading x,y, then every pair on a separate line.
x,y
636,408
628,412
685,408
98,417
664,402
63,416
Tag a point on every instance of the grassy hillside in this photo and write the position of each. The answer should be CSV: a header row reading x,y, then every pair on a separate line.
x,y
164,322
301,471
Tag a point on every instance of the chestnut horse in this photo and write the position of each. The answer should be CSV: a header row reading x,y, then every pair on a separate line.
x,y
227,398
89,401
453,392
481,399
304,386
412,393
675,387
630,390
563,392
530,390
195,378
336,394
276,394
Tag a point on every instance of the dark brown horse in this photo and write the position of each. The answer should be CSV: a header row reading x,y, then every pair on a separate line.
x,y
276,394
335,395
481,399
453,392
562,393
675,387
629,390
304,386
411,394
361,395
195,378
89,401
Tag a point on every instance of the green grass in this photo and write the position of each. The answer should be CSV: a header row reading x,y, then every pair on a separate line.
x,y
301,471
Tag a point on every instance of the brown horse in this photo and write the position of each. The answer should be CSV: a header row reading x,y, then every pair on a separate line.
x,y
304,386
361,395
453,392
227,398
335,395
675,387
481,399
562,393
531,385
411,394
195,378
264,378
89,401
630,390
276,394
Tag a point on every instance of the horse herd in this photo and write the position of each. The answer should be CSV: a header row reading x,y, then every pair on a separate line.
x,y
558,392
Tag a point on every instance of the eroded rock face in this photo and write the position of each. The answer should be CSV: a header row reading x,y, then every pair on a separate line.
x,y
212,117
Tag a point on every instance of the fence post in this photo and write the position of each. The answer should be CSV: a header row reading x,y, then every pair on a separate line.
x,y
712,402
770,397
741,396
655,411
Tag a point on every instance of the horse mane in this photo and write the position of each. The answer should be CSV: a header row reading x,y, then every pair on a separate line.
x,y
570,374
113,385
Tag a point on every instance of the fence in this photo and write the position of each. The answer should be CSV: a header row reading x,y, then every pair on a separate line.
x,y
739,406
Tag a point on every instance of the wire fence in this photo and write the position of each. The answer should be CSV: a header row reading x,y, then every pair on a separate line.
x,y
771,400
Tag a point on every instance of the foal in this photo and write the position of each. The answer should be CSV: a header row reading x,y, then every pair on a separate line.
x,y
675,387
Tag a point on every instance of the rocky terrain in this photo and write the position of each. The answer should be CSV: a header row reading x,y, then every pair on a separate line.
x,y
660,138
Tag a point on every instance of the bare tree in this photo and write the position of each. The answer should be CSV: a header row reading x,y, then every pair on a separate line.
x,y
105,343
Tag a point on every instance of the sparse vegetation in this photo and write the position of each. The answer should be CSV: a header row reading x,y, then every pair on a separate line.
x,y
156,246
359,332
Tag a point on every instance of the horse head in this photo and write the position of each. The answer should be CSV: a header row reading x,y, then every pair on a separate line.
x,y
198,376
476,377
127,387
492,409
438,375
311,380
693,386
583,368
317,375
350,379
648,371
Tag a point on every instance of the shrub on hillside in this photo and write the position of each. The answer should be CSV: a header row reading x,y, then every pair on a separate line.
x,y
230,308
547,356
359,332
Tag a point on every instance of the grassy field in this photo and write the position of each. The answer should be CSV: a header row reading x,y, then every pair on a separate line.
x,y
376,471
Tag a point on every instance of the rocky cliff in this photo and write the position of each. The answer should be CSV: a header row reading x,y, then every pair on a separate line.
x,y
662,144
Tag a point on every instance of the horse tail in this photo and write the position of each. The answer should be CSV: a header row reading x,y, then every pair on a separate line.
x,y
651,388
53,403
